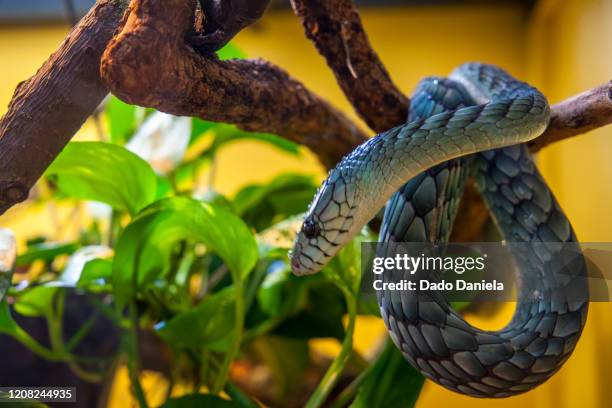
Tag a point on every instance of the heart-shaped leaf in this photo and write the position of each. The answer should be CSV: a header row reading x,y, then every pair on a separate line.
x,y
104,172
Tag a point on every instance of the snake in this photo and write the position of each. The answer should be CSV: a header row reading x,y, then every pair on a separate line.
x,y
476,122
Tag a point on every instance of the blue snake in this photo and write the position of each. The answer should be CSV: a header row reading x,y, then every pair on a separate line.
x,y
474,122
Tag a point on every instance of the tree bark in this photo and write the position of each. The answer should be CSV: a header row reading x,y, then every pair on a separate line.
x,y
336,30
149,63
577,115
572,117
49,108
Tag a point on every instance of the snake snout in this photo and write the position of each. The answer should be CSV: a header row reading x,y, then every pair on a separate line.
x,y
294,257
300,262
295,262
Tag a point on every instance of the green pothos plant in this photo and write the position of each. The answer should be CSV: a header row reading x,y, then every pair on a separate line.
x,y
163,253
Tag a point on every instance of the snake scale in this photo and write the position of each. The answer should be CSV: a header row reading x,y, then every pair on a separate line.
x,y
473,122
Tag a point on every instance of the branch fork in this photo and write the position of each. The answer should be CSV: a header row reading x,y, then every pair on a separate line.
x,y
149,63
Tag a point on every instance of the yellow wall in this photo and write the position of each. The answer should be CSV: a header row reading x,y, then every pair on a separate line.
x,y
566,49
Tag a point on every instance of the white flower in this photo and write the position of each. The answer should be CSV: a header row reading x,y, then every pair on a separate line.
x,y
76,263
162,140
8,250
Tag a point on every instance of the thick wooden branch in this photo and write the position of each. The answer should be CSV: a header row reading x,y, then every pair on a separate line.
x,y
48,109
336,30
577,115
150,64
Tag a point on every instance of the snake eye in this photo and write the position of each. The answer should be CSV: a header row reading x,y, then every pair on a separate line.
x,y
311,229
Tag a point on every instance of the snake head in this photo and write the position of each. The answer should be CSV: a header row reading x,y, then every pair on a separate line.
x,y
327,227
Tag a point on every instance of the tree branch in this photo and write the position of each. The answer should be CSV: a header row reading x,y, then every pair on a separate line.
x,y
149,64
49,108
336,30
577,115
572,117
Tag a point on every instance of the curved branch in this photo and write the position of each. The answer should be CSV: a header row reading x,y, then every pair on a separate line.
x,y
149,64
335,28
577,115
49,108
572,117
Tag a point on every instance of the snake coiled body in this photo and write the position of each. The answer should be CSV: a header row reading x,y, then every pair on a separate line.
x,y
478,109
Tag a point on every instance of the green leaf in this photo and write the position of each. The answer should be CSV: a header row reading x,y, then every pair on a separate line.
x,y
213,197
198,401
37,301
345,268
76,263
368,305
270,293
230,51
230,133
199,127
104,172
7,324
320,315
281,292
391,382
143,250
207,323
224,134
121,119
164,188
95,270
46,251
264,205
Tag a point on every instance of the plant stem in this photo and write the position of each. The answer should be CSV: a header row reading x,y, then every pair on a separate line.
x,y
170,387
85,375
24,338
263,328
133,357
58,351
83,331
337,366
254,283
56,335
239,396
349,392
54,322
223,375
205,365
